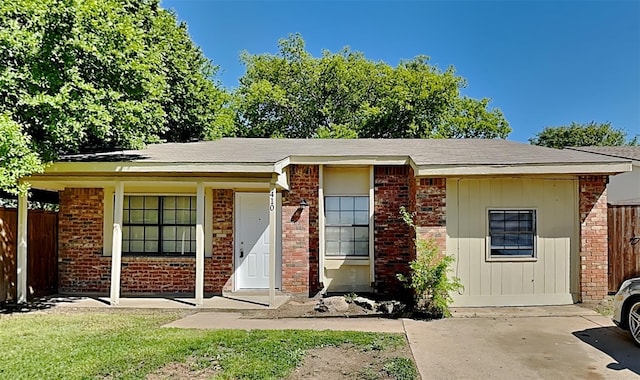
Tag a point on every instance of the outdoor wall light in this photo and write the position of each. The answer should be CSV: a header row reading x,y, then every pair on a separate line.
x,y
303,203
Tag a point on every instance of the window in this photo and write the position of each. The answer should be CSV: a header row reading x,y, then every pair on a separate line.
x,y
159,225
346,226
512,233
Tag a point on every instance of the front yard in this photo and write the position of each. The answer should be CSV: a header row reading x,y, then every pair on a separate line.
x,y
132,345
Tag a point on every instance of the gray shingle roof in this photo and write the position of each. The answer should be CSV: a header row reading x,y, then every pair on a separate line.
x,y
421,151
626,152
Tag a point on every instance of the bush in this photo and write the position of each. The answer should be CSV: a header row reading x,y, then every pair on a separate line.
x,y
429,277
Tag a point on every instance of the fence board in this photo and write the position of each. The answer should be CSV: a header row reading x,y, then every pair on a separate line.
x,y
624,255
42,253
42,266
8,228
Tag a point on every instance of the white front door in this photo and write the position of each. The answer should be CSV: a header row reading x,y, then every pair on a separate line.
x,y
252,241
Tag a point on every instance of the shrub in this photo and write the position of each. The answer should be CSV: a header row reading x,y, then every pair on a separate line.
x,y
429,277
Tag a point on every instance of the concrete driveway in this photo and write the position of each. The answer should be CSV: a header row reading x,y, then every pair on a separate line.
x,y
564,342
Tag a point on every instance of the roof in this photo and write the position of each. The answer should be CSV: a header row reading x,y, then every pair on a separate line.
x,y
428,157
626,202
626,152
421,151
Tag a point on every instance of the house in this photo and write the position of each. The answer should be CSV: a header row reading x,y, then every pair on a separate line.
x,y
623,188
526,224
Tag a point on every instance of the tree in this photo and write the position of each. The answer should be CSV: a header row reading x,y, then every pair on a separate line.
x,y
575,134
293,94
16,157
86,75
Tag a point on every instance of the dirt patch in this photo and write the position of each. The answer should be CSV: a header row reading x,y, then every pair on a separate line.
x,y
305,308
192,368
348,362
344,362
301,309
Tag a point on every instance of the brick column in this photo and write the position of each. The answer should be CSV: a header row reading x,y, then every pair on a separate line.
x,y
394,186
593,238
431,200
219,271
300,245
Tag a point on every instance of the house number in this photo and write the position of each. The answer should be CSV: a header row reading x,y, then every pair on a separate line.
x,y
272,197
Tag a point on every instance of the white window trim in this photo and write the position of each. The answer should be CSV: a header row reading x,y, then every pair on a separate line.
x,y
324,225
490,258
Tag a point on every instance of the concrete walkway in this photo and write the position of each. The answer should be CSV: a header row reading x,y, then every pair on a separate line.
x,y
222,320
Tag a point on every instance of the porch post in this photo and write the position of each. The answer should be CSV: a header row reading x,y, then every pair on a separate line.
x,y
23,211
116,251
272,242
200,244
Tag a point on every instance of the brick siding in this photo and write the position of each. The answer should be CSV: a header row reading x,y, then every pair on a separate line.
x,y
81,266
220,270
300,237
430,218
83,269
394,187
593,238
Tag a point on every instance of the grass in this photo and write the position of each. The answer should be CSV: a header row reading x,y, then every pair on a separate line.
x,y
605,307
130,345
401,369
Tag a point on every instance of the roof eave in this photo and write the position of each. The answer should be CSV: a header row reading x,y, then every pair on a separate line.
x,y
157,167
608,168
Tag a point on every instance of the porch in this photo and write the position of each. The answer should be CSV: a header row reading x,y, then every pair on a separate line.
x,y
231,301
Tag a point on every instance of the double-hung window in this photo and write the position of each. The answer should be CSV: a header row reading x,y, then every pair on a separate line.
x,y
512,233
346,225
159,225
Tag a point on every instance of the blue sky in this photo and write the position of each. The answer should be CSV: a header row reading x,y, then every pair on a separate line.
x,y
543,63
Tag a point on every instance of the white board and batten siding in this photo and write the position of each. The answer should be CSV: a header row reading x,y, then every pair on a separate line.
x,y
547,279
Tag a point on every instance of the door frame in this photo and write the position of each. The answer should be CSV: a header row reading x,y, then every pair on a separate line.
x,y
236,228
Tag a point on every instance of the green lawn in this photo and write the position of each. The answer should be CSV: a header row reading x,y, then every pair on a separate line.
x,y
129,345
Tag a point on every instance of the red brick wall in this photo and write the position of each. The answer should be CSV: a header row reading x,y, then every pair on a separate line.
x,y
393,239
159,274
300,238
430,218
83,269
221,267
593,238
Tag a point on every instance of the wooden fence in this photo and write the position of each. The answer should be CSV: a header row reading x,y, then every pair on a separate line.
x,y
42,266
624,244
8,224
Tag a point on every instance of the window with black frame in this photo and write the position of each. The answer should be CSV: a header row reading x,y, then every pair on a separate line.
x,y
512,233
159,225
346,226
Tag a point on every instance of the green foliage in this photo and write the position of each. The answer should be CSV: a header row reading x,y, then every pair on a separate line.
x,y
429,278
400,369
16,157
349,297
81,75
589,134
130,344
344,95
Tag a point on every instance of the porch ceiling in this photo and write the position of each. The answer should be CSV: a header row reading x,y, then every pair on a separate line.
x,y
167,181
